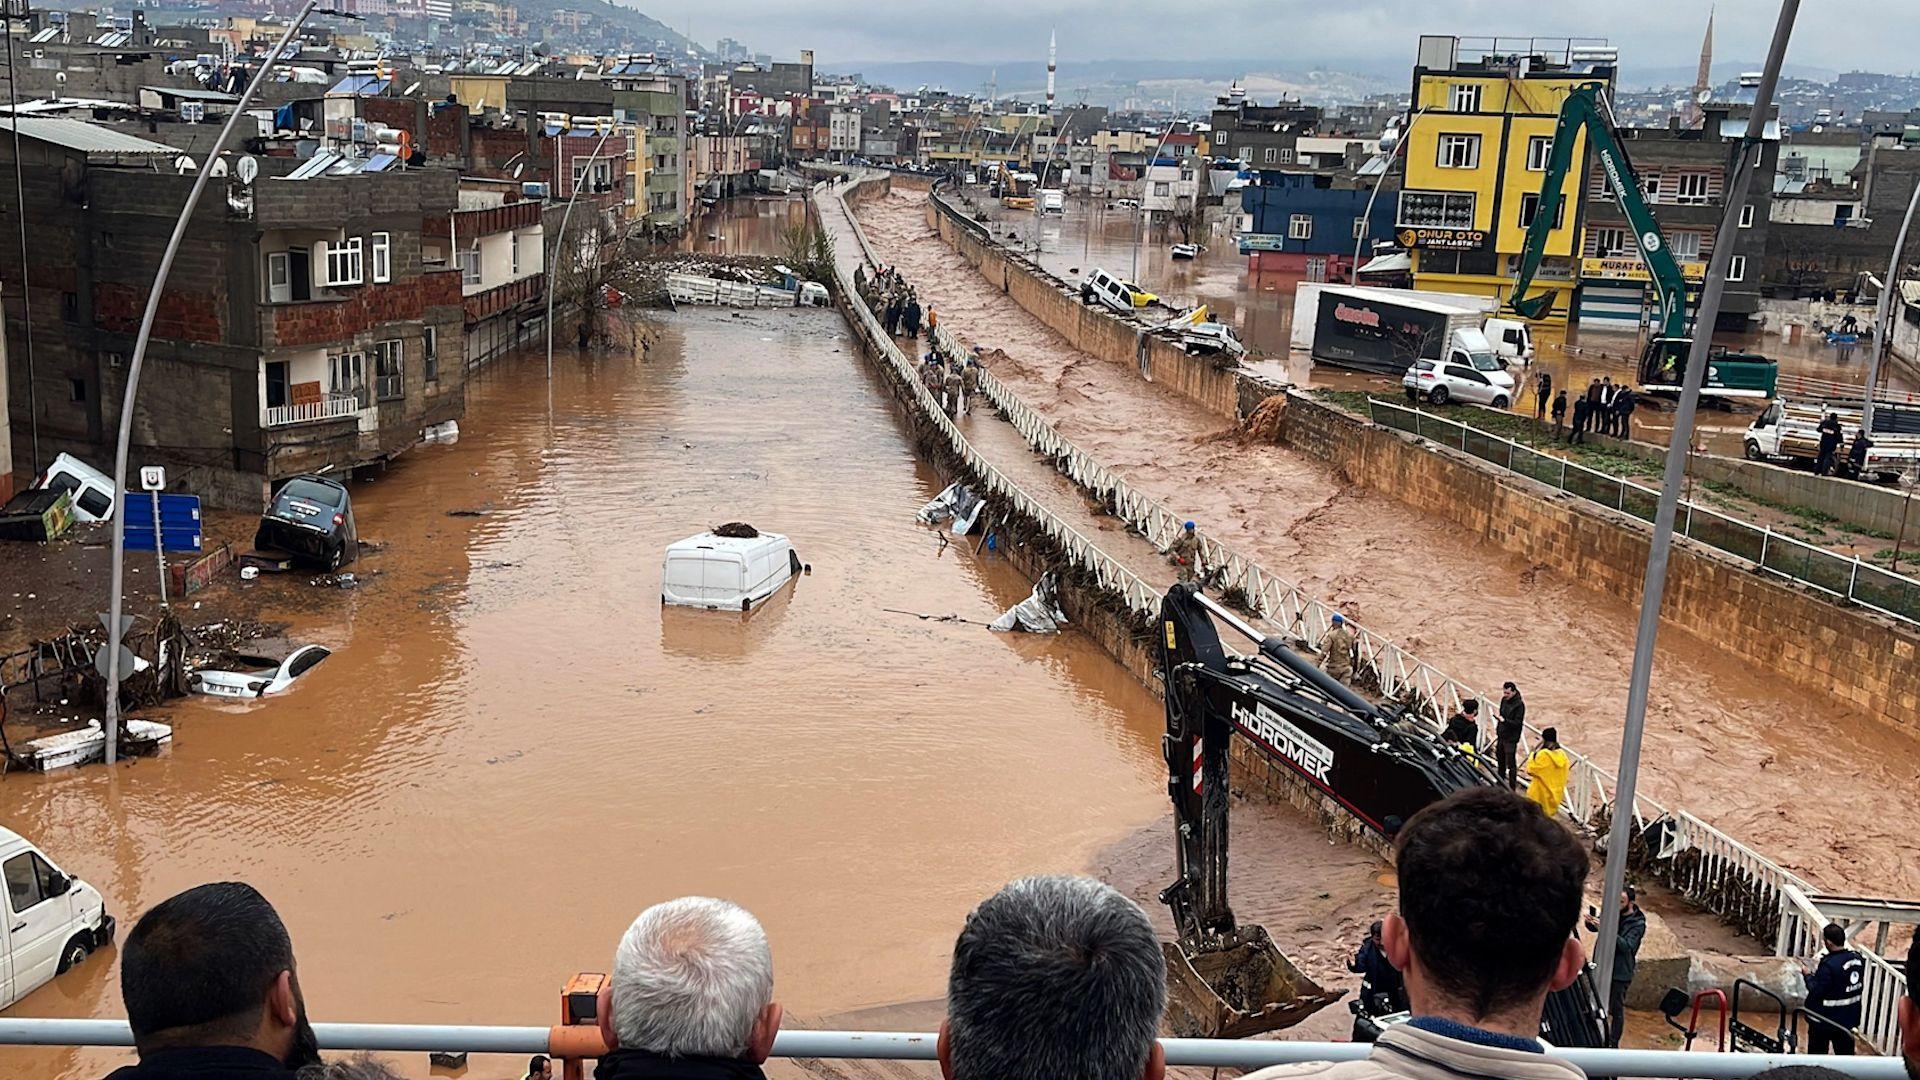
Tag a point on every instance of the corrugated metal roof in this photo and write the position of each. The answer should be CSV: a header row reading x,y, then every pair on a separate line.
x,y
82,136
194,94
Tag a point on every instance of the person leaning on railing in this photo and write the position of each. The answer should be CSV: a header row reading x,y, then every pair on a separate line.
x,y
1490,891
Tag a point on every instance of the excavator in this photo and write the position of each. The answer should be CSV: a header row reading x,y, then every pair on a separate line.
x,y
1663,364
1376,763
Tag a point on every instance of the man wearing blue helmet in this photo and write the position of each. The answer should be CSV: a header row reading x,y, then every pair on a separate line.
x,y
1184,553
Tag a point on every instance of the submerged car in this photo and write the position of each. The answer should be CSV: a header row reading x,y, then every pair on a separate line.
x,y
259,676
731,568
1184,251
311,518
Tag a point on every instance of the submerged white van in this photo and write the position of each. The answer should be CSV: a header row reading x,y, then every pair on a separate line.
x,y
54,919
727,572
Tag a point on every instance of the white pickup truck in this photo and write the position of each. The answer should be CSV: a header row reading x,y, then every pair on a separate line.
x,y
1789,429
53,919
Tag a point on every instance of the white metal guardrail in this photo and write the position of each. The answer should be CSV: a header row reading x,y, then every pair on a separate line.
x,y
920,1046
1698,860
1883,986
1843,577
330,407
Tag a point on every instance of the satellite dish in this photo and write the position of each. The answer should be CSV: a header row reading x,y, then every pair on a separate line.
x,y
517,170
184,165
247,169
60,78
408,92
219,167
1704,96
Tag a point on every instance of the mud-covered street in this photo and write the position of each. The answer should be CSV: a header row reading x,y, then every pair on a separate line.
x,y
1751,753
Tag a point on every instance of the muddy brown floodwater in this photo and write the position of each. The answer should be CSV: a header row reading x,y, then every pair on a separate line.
x,y
1799,776
515,748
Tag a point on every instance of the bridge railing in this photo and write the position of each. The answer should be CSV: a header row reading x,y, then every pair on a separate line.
x,y
1696,859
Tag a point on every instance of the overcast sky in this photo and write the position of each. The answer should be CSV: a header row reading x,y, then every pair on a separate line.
x,y
1881,35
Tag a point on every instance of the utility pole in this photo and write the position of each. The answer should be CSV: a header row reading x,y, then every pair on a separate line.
x,y
117,593
18,9
1882,312
1620,836
1146,187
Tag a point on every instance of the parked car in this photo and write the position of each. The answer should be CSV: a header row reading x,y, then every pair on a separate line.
x,y
259,676
311,517
1441,381
1119,294
92,489
55,919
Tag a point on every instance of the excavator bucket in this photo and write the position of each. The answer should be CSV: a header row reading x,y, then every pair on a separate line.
x,y
1243,989
1533,307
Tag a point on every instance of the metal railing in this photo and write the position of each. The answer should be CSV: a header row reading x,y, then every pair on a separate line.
x,y
1696,859
330,407
1883,986
1843,577
920,1046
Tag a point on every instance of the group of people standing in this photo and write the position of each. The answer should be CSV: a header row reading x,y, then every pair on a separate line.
x,y
953,383
1604,408
898,305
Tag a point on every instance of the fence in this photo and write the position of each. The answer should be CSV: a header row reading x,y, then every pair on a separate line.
x,y
1883,984
1699,861
1843,577
920,1046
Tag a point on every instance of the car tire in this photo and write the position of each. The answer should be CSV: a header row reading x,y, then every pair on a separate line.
x,y
1437,395
1500,401
71,956
336,558
1753,451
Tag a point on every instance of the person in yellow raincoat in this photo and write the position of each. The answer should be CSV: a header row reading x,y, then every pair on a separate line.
x,y
1549,766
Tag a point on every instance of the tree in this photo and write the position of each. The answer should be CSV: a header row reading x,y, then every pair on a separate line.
x,y
808,252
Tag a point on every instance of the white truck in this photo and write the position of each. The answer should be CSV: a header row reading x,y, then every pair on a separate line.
x,y
1317,308
1789,430
1053,201
53,919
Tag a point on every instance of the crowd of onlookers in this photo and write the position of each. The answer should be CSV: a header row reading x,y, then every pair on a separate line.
x,y
1603,408
1052,978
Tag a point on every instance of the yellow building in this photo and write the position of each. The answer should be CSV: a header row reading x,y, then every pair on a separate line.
x,y
1476,154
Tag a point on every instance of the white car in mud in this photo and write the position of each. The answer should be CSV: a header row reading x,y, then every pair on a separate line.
x,y
260,678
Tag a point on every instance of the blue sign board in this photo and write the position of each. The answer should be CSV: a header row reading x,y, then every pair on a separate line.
x,y
179,521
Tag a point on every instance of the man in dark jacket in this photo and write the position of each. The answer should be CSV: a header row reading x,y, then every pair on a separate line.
x,y
1829,442
1624,402
1582,417
1542,393
1833,995
1559,413
1383,990
1626,960
691,996
1506,734
208,981
1464,726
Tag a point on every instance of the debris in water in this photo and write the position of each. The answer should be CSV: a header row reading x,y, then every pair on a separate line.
x,y
472,511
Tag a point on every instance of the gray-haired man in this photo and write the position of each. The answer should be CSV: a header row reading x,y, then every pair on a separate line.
x,y
691,997
1055,978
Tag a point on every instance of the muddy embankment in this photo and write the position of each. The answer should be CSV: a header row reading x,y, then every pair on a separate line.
x,y
1747,749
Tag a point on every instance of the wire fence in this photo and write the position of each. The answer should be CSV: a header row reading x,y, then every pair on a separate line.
x,y
1846,578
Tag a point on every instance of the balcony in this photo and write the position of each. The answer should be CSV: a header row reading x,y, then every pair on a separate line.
x,y
330,407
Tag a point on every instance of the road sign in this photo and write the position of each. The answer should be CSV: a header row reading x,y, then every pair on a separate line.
x,y
179,521
128,661
153,477
126,623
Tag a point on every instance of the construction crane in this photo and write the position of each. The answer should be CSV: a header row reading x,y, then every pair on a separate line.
x,y
1663,363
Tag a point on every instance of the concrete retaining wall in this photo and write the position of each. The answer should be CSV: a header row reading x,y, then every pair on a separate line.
x,y
1092,330
1854,656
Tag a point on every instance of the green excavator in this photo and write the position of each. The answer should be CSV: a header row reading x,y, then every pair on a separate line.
x,y
1663,364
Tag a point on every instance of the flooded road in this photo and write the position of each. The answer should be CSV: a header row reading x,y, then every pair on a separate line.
x,y
515,748
1718,732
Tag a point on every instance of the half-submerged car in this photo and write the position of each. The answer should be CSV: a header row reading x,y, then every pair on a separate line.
x,y
310,517
259,676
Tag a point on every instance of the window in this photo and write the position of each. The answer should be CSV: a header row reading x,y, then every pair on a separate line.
x,y
1459,152
515,255
347,375
29,881
1651,185
1273,155
1737,269
1317,268
382,256
344,262
389,377
468,260
1746,216
430,353
1162,188
1466,97
279,278
1539,149
1359,228
1443,209
1691,189
1222,138
1530,205
1684,245
77,390
1608,241
1286,155
1300,227
70,307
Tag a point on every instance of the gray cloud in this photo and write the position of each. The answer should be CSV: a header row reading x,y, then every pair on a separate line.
x,y
1375,36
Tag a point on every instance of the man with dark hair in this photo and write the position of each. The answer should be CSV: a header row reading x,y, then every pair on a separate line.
x,y
1463,727
1490,892
1506,734
208,981
1055,978
1382,991
1626,960
539,1068
1833,995
1910,1013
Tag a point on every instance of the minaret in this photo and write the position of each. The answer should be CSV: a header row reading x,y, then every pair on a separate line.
x,y
1051,43
1704,79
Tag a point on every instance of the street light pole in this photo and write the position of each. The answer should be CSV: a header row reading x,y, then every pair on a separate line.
x,y
1620,835
1882,309
1353,277
116,590
553,264
1146,186
20,203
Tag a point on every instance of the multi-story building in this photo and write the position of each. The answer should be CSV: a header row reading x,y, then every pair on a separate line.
x,y
1683,176
1475,156
843,133
302,327
656,103
1263,136
1311,223
497,242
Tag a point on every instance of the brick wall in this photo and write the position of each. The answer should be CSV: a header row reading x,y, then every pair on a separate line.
x,y
1856,657
184,315
365,307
